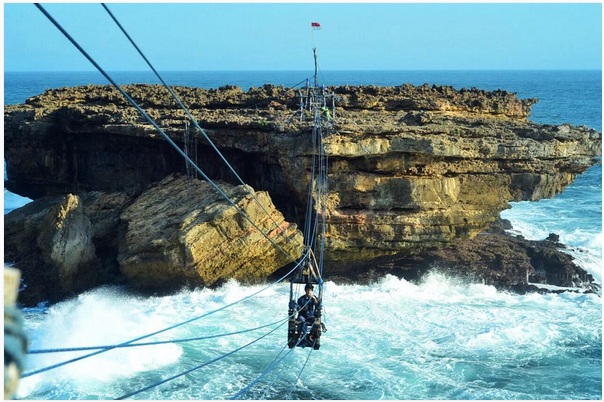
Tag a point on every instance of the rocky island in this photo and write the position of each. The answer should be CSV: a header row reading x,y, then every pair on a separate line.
x,y
417,175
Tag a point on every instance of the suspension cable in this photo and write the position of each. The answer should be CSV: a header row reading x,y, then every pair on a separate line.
x,y
320,182
269,368
275,378
309,203
144,114
324,194
265,372
213,361
193,120
188,160
157,332
159,130
199,366
300,373
275,361
198,338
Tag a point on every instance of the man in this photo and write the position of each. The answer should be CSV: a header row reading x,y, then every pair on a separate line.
x,y
326,112
307,305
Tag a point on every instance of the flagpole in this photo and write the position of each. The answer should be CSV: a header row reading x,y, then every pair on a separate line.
x,y
314,51
315,25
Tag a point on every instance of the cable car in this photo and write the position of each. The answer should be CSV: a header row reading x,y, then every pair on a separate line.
x,y
305,314
305,326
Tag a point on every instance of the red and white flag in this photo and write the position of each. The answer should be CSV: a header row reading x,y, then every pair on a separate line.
x,y
315,25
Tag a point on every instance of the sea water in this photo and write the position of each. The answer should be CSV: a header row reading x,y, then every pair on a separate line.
x,y
439,339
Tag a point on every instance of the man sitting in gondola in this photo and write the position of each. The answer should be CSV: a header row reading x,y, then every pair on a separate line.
x,y
307,306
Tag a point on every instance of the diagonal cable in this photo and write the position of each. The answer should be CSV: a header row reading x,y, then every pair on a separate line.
x,y
301,370
188,113
265,372
27,374
197,367
183,340
274,379
169,140
275,361
159,130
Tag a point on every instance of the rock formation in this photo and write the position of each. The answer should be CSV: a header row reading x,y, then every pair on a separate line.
x,y
494,257
52,243
410,167
179,232
189,228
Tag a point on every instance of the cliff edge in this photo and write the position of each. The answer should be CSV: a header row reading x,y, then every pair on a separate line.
x,y
410,167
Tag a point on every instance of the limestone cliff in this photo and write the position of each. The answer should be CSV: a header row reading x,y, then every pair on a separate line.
x,y
184,232
179,232
410,167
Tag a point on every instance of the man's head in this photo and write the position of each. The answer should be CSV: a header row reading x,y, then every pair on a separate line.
x,y
308,287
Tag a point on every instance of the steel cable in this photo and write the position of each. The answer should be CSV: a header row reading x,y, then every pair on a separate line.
x,y
157,332
270,368
159,130
300,373
198,338
188,160
190,116
197,367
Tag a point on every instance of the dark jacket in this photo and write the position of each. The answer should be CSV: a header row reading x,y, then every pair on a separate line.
x,y
307,306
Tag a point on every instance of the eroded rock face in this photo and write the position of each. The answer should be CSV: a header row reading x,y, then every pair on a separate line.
x,y
68,232
52,242
410,168
184,232
179,232
494,257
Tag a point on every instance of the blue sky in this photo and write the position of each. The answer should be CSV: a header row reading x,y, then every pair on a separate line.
x,y
278,36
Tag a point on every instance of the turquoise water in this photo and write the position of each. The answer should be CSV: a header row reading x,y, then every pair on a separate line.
x,y
392,340
440,339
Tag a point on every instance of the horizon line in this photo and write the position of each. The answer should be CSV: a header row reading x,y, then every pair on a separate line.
x,y
305,70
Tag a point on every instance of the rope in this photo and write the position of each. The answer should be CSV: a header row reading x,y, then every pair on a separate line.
x,y
213,361
188,113
198,367
160,131
275,361
270,367
157,332
309,203
310,228
301,370
188,160
276,377
193,120
310,237
325,191
199,338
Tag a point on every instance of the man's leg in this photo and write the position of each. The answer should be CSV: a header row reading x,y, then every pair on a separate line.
x,y
304,328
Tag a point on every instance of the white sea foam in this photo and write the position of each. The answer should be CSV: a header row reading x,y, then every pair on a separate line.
x,y
441,339
102,317
392,340
582,235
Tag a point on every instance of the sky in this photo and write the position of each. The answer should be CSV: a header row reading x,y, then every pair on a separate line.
x,y
278,36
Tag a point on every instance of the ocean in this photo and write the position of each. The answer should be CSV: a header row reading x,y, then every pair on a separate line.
x,y
438,339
